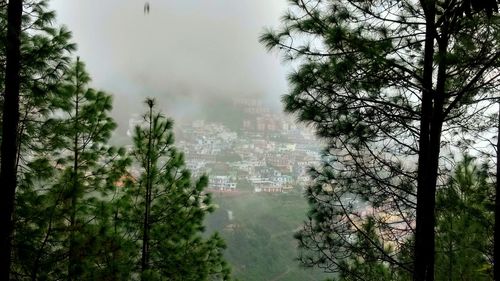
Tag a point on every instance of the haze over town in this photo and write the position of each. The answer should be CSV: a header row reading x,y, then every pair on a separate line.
x,y
191,54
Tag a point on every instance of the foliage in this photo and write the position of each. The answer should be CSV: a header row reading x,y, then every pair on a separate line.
x,y
386,84
45,57
169,209
71,219
63,197
464,233
260,235
464,225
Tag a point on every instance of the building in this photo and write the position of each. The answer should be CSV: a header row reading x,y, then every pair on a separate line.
x,y
221,183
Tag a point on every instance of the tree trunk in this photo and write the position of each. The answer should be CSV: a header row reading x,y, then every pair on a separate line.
x,y
10,124
146,226
496,237
73,263
429,148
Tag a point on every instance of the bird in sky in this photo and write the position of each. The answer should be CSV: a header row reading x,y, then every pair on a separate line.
x,y
146,8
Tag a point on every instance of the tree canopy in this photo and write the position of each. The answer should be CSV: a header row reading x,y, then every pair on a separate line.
x,y
75,214
393,87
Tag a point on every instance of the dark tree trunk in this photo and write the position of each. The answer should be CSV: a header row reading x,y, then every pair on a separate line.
x,y
429,147
146,226
10,124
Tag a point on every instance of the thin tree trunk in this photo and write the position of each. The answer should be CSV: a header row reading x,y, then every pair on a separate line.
x,y
10,123
496,237
36,265
146,226
73,262
450,252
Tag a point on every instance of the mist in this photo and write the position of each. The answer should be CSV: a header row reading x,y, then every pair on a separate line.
x,y
188,54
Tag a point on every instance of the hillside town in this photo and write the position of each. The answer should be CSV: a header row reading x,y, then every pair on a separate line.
x,y
268,154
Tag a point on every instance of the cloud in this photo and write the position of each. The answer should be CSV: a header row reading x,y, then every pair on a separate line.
x,y
184,52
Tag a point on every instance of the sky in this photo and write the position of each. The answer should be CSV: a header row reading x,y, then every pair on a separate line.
x,y
185,53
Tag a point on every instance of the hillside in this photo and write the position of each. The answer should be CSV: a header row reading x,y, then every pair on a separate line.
x,y
259,235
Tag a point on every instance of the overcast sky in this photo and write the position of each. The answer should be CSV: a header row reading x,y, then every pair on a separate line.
x,y
185,52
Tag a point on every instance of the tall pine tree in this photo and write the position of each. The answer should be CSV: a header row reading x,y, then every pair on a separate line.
x,y
43,59
387,84
170,209
464,224
64,210
10,123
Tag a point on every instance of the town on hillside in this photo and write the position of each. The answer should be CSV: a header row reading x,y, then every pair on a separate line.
x,y
270,153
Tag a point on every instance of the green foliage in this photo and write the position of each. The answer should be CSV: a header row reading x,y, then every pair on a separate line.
x,y
260,236
45,56
62,212
369,265
464,232
169,209
72,222
358,79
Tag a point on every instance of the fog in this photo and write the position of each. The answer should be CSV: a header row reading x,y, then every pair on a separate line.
x,y
184,53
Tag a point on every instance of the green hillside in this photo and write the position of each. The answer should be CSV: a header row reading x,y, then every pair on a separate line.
x,y
259,237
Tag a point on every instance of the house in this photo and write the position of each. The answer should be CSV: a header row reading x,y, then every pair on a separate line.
x,y
266,186
221,183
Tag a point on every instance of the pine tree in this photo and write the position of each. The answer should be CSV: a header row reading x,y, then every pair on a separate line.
x,y
43,59
464,220
10,122
386,84
170,209
464,231
64,214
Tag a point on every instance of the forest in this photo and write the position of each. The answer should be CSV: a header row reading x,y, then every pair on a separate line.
x,y
401,95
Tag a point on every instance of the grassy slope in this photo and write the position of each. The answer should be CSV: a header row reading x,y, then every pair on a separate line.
x,y
260,239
